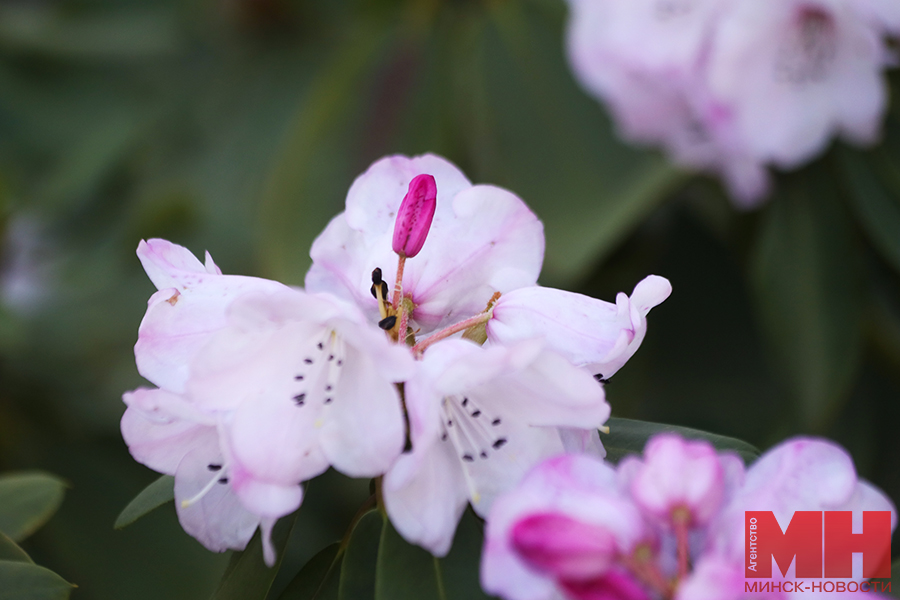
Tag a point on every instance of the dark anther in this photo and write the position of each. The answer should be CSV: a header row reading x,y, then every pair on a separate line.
x,y
477,413
377,281
223,480
599,377
499,443
376,276
214,467
308,361
468,457
299,399
388,323
495,422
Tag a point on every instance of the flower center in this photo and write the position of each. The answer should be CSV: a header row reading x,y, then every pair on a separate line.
x,y
809,52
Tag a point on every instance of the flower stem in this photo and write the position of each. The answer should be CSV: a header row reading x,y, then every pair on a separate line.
x,y
680,520
398,285
455,328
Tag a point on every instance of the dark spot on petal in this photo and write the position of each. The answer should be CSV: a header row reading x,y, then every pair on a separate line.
x,y
340,362
444,437
223,480
299,399
328,388
298,377
450,423
308,361
468,457
320,345
214,468
465,401
477,413
331,357
328,400
495,422
483,454
499,443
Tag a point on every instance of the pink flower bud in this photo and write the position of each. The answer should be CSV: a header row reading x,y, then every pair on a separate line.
x,y
415,215
563,547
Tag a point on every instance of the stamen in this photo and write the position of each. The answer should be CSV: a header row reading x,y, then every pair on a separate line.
x,y
212,483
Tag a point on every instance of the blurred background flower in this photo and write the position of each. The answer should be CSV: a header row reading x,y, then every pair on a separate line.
x,y
237,126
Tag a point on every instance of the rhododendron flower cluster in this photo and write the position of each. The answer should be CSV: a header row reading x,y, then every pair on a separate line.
x,y
730,86
669,524
450,383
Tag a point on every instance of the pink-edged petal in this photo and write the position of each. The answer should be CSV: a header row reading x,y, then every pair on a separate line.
x,y
615,585
217,519
188,308
588,332
482,240
425,494
156,431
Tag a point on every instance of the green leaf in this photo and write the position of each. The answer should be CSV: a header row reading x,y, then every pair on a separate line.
x,y
806,266
27,500
405,571
358,571
152,497
319,579
247,576
462,566
9,550
628,436
26,581
877,209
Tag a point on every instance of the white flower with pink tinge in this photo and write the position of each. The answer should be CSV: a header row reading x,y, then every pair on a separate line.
x,y
731,86
262,386
668,525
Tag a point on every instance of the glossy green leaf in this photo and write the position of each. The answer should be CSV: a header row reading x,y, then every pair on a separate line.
x,y
152,497
319,579
462,565
629,436
405,571
876,207
26,581
27,500
247,576
359,565
806,266
9,550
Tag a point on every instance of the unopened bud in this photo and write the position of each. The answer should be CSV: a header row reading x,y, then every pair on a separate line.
x,y
415,215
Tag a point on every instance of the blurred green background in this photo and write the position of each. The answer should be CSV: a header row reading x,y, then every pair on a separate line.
x,y
237,126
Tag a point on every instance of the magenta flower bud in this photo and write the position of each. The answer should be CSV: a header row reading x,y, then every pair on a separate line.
x,y
415,215
563,547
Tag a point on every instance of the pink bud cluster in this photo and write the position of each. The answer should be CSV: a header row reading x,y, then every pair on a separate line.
x,y
668,525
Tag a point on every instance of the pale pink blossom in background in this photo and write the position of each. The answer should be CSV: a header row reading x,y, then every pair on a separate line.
x,y
734,86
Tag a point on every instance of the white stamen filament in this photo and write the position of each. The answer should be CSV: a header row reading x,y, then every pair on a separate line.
x,y
218,475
